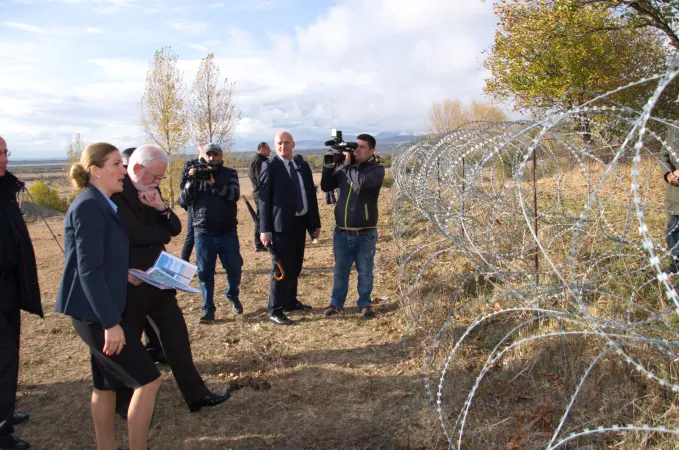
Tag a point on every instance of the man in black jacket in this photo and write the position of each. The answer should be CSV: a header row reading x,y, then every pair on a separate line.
x,y
18,290
359,179
150,225
288,207
215,228
187,248
263,152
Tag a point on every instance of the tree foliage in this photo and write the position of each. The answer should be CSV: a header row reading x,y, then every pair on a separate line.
x,y
163,115
557,53
212,110
45,196
449,115
659,15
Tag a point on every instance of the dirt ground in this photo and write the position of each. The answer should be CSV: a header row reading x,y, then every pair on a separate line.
x,y
340,382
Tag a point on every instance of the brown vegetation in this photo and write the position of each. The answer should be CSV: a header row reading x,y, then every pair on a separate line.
x,y
342,382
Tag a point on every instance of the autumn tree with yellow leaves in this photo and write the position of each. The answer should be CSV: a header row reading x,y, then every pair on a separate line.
x,y
164,116
449,115
555,54
212,111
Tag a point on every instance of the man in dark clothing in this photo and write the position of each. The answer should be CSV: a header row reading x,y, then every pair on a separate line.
x,y
18,290
187,248
152,341
150,225
288,207
126,155
263,152
215,229
359,179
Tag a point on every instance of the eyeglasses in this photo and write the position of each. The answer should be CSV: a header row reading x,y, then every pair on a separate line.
x,y
155,177
5,153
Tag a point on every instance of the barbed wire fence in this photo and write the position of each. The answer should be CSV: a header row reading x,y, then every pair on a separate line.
x,y
527,247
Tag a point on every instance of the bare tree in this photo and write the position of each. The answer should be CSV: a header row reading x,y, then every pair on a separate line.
x,y
212,110
74,149
447,116
486,112
451,114
163,115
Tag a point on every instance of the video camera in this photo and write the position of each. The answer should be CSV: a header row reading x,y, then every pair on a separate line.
x,y
336,155
202,172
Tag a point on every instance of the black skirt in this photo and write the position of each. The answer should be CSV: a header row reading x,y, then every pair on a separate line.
x,y
131,368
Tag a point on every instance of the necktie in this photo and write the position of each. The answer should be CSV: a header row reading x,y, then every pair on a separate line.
x,y
299,203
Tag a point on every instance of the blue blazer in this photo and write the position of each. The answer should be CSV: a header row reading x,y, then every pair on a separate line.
x,y
94,283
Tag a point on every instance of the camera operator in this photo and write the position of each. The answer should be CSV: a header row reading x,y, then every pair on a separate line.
x,y
187,248
212,192
359,179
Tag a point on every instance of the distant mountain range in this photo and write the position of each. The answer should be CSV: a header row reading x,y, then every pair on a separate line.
x,y
385,140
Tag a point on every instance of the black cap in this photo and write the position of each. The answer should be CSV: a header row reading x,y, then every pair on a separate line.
x,y
213,148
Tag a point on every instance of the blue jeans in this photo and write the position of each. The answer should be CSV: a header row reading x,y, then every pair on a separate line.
x,y
672,238
207,248
350,249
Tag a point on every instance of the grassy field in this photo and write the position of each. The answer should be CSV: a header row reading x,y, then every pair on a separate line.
x,y
342,382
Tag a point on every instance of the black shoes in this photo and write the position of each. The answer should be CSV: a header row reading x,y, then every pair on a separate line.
x,y
281,319
19,418
157,355
236,305
9,443
260,249
332,310
368,312
207,318
299,306
207,401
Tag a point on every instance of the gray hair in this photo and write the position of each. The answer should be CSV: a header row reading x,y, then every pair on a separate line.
x,y
147,153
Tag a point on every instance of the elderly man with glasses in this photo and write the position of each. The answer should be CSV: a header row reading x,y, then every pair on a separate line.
x,y
151,224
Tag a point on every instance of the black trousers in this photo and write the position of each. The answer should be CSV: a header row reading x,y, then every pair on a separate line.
x,y
163,311
153,345
289,248
258,241
10,329
187,248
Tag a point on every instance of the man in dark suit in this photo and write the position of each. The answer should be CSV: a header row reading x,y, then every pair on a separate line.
x,y
149,229
287,208
263,153
18,290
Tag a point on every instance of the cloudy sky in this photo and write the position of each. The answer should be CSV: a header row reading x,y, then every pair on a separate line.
x,y
79,66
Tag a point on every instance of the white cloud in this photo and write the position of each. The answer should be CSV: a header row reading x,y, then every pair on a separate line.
x,y
189,27
260,5
215,5
362,65
94,30
25,27
199,47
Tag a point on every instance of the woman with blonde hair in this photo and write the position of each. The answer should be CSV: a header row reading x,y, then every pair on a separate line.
x,y
93,293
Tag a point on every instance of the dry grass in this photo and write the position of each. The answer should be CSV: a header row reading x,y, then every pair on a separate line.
x,y
342,382
521,400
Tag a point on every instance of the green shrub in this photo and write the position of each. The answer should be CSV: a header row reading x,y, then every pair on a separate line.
x,y
43,195
388,180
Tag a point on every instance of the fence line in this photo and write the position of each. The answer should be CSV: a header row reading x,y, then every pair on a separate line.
x,y
536,233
